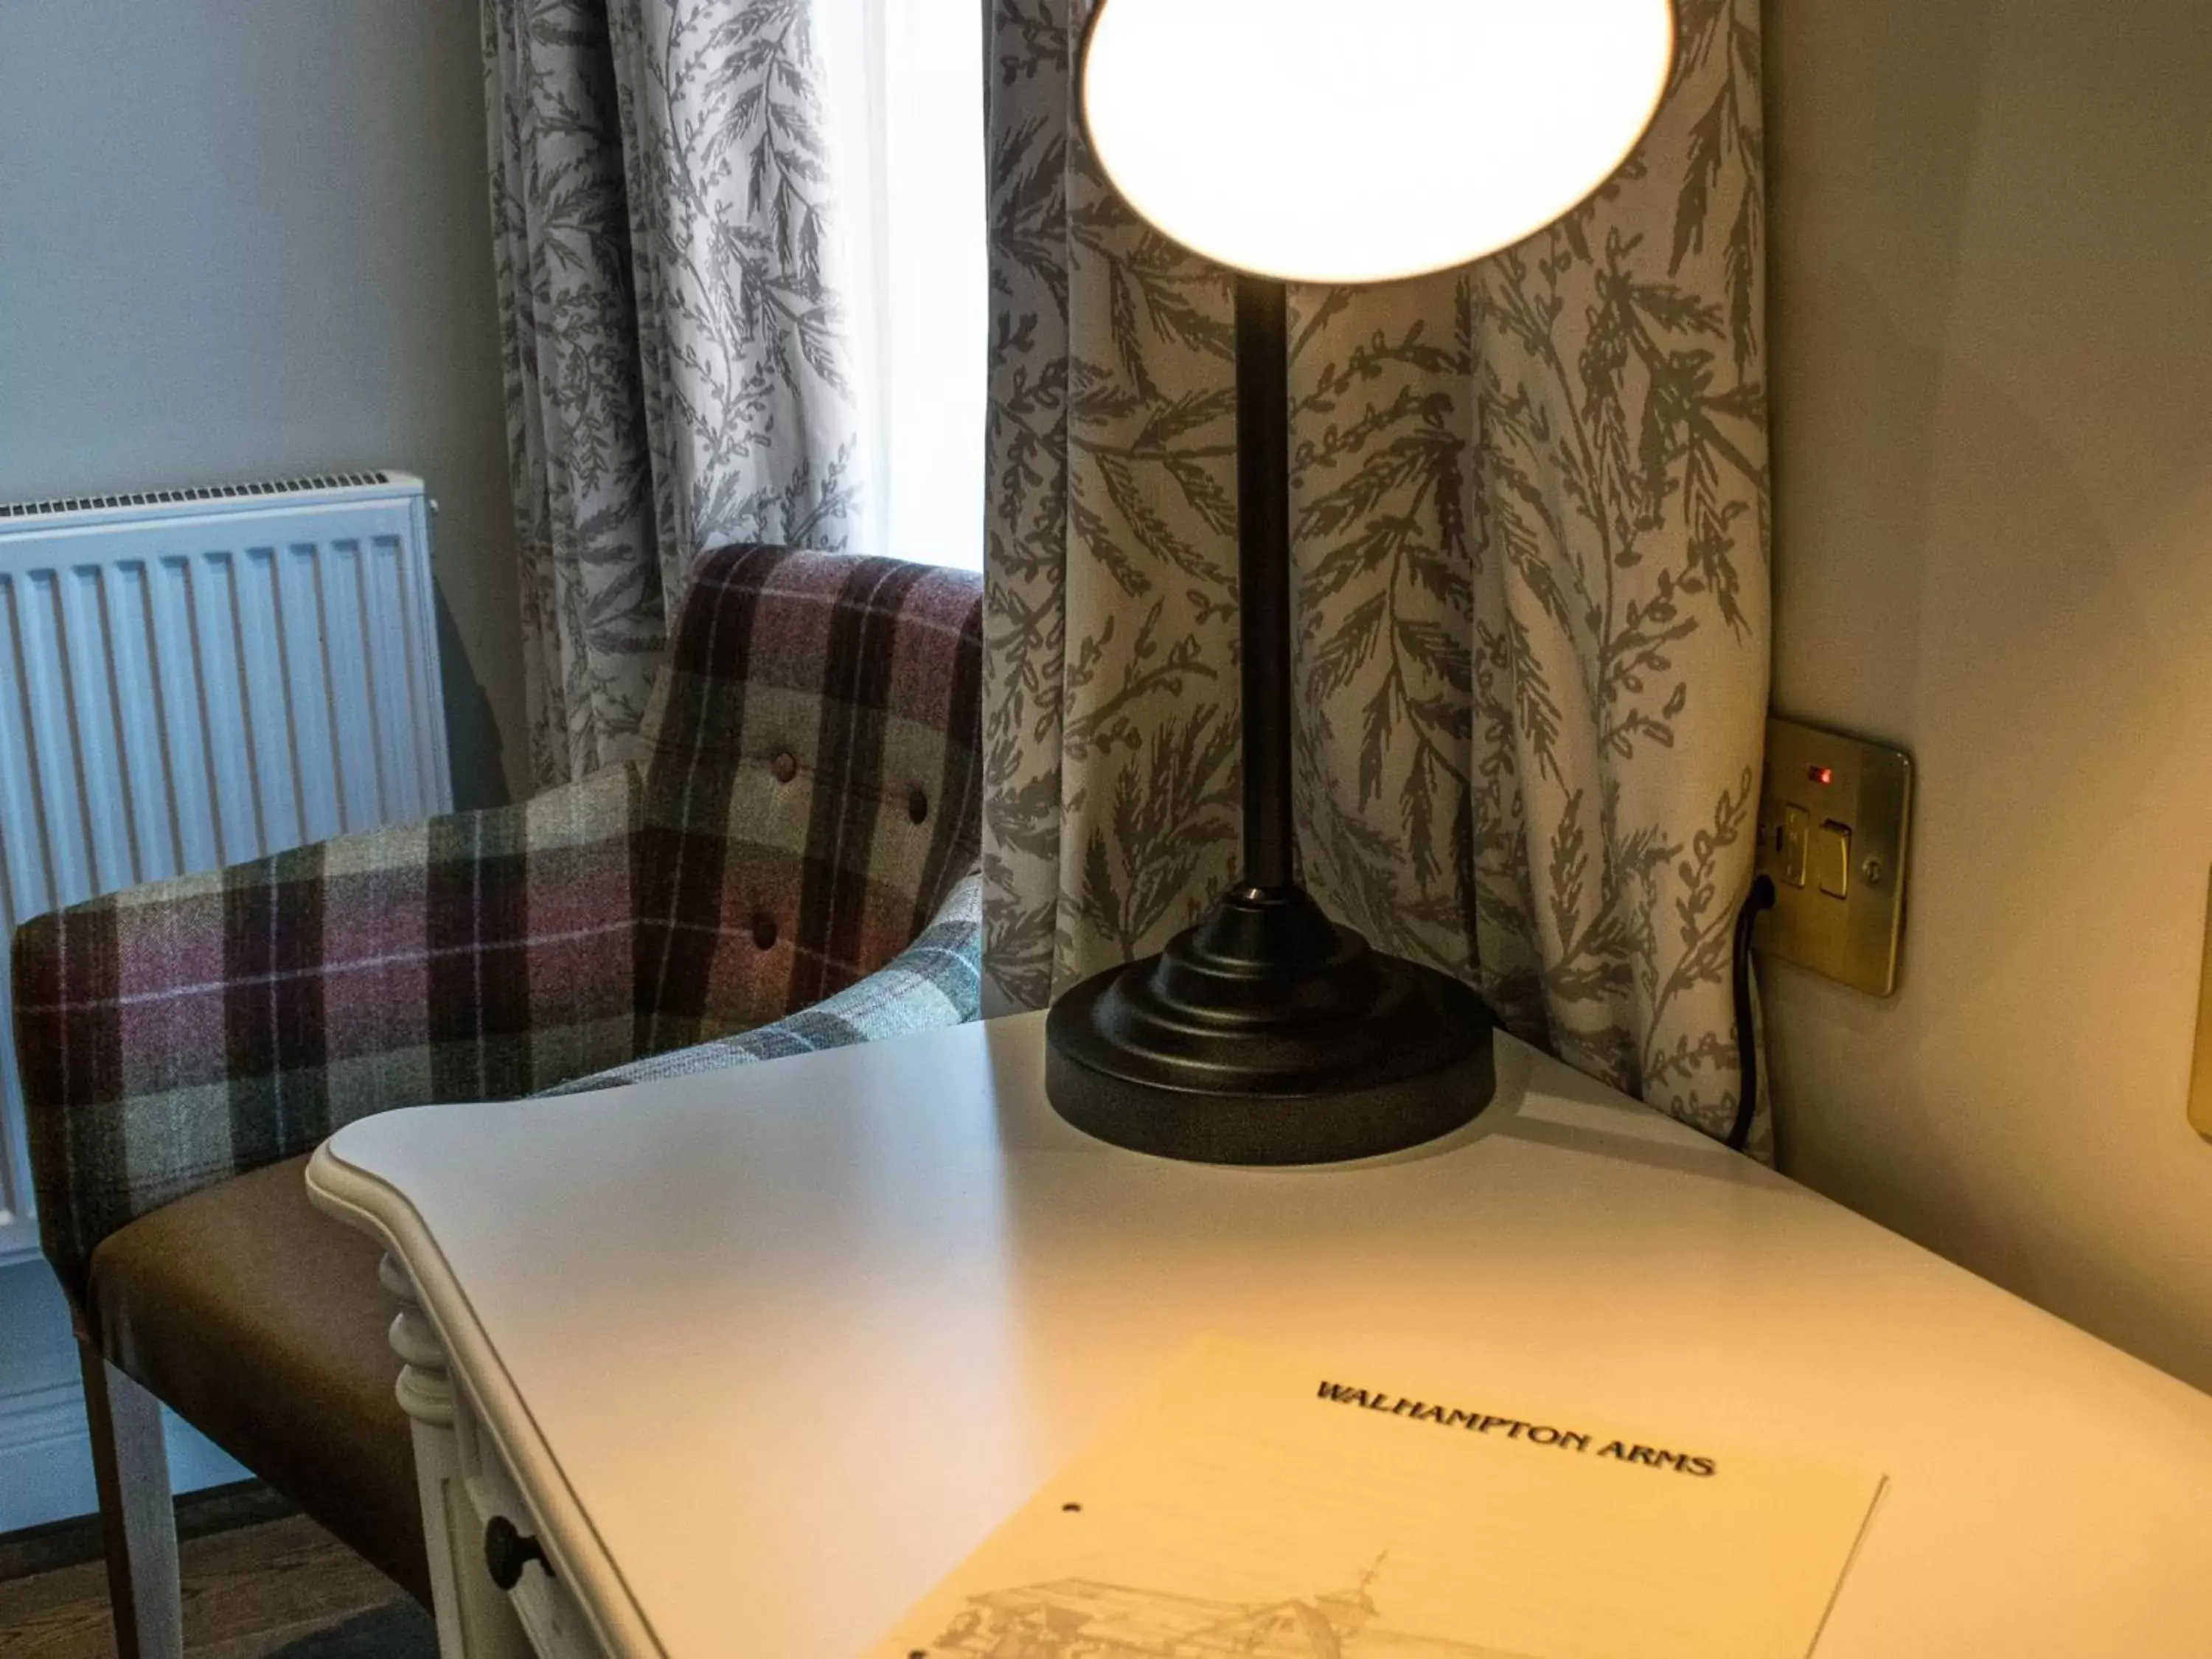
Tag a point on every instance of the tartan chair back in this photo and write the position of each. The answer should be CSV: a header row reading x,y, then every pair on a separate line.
x,y
810,795
812,783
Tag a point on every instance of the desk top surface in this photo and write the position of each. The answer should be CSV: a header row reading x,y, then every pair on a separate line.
x,y
773,1348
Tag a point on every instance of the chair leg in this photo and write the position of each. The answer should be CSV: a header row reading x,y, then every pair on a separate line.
x,y
136,1517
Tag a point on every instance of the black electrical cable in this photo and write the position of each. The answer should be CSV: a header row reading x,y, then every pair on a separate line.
x,y
1761,897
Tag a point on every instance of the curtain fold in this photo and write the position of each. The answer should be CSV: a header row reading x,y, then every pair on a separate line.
x,y
664,195
1530,527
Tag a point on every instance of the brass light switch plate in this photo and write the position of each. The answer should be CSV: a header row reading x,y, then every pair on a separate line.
x,y
2200,1073
1833,815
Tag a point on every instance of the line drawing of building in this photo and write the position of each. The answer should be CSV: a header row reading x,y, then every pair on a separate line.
x,y
1086,1619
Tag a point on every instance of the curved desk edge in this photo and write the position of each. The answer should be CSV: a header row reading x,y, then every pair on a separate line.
x,y
368,1205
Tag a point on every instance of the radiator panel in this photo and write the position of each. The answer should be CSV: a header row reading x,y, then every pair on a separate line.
x,y
206,679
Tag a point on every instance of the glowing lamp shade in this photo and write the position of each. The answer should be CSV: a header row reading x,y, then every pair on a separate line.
x,y
1359,141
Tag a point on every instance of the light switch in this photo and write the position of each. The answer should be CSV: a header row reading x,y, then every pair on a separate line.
x,y
1832,859
1796,833
1833,818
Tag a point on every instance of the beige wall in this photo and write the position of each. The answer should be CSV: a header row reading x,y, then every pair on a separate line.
x,y
1992,364
251,238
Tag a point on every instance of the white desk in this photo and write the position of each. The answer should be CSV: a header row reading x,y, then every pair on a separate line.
x,y
760,1355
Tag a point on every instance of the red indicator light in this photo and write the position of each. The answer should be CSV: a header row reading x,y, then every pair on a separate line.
x,y
1823,775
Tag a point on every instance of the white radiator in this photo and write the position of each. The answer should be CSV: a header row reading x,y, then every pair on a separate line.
x,y
191,678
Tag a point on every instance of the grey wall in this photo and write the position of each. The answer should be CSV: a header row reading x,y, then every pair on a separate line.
x,y
240,238
1991,250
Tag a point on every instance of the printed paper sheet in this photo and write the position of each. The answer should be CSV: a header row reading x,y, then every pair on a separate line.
x,y
1265,1505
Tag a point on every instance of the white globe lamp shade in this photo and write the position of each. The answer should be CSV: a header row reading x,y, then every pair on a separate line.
x,y
1361,141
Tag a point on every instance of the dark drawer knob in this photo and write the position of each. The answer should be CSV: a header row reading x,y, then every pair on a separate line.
x,y
508,1552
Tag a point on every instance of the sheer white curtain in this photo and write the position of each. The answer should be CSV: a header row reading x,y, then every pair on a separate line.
x,y
910,138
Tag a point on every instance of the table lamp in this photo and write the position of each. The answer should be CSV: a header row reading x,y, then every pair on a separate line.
x,y
1334,142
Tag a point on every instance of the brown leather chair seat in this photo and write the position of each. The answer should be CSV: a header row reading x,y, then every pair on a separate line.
x,y
260,1321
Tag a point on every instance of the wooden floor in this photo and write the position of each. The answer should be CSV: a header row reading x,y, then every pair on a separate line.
x,y
248,1592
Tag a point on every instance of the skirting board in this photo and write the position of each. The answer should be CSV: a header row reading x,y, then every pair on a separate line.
x,y
45,1461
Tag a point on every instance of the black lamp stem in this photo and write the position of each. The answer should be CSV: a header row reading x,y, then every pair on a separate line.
x,y
1263,539
1265,1033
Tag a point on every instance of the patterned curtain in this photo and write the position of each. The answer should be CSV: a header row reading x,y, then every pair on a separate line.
x,y
1530,514
679,362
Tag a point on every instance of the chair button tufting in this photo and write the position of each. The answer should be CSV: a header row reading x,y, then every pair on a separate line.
x,y
764,931
785,766
917,806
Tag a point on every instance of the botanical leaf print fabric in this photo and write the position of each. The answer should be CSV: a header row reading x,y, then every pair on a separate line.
x,y
1530,517
677,358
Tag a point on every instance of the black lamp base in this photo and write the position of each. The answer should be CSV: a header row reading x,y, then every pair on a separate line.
x,y
1266,1033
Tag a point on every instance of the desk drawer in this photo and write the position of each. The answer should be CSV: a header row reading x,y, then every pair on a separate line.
x,y
551,1617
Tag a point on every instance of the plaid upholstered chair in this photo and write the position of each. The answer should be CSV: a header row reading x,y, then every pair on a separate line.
x,y
789,866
